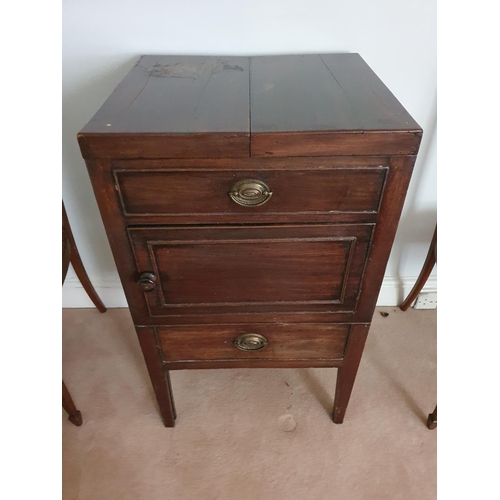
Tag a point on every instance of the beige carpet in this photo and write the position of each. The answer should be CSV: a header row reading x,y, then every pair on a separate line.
x,y
249,434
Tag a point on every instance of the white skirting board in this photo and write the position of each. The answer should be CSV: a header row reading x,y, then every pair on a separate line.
x,y
392,293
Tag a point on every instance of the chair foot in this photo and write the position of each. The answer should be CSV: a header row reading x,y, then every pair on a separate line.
x,y
432,420
76,418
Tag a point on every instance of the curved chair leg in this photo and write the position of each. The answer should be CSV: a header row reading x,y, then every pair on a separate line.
x,y
74,416
432,420
77,264
429,263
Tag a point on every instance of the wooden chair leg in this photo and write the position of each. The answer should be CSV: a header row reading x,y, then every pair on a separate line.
x,y
77,264
432,420
74,416
429,263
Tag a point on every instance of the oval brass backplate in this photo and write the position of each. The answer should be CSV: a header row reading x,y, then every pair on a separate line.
x,y
250,193
250,342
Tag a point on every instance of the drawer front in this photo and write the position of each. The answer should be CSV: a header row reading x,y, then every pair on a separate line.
x,y
253,342
266,269
211,194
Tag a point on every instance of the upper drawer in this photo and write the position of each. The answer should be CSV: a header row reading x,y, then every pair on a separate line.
x,y
237,194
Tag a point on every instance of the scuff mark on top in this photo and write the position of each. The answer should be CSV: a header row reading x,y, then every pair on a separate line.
x,y
193,71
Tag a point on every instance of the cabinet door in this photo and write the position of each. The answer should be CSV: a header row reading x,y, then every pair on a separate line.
x,y
259,269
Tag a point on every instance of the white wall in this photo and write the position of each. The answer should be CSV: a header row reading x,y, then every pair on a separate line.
x,y
103,38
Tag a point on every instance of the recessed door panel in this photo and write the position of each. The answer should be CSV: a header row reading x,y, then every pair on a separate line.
x,y
251,269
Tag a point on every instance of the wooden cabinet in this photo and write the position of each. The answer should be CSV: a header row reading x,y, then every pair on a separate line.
x,y
251,205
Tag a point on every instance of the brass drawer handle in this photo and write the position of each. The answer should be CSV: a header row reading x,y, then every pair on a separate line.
x,y
250,193
147,282
250,342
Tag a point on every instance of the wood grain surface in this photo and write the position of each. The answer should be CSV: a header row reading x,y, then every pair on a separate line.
x,y
206,192
328,92
209,107
335,147
178,95
267,269
285,342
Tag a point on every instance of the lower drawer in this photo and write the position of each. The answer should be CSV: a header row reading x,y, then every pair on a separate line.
x,y
256,341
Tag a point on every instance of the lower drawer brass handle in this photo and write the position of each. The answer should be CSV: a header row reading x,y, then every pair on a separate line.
x,y
250,193
147,282
250,342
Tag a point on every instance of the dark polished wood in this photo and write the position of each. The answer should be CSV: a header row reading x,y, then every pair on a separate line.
x,y
313,105
261,269
242,164
78,266
160,378
432,419
66,255
214,318
346,374
200,145
430,262
178,95
320,139
338,143
257,363
71,255
401,168
325,189
205,193
284,342
174,106
327,92
74,415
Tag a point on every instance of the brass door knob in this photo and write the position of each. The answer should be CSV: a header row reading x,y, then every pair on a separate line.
x,y
250,193
147,282
250,342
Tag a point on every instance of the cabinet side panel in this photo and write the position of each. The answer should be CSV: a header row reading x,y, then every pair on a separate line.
x,y
115,225
398,179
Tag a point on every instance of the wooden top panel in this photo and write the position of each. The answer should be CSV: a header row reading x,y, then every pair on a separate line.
x,y
178,95
235,107
313,93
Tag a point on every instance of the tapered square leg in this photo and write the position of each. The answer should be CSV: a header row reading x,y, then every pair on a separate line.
x,y
160,378
346,374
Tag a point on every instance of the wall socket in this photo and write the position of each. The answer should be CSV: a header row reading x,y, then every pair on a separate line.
x,y
426,300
